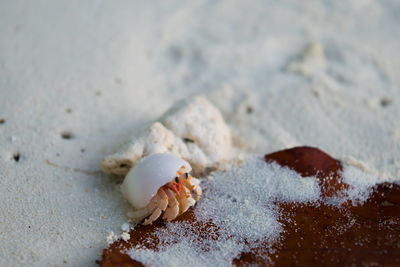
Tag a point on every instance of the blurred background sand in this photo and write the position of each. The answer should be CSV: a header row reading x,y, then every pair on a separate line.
x,y
78,77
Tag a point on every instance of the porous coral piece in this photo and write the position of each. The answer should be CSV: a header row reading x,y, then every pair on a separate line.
x,y
193,129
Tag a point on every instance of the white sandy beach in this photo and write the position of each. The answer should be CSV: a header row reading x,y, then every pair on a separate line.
x,y
79,77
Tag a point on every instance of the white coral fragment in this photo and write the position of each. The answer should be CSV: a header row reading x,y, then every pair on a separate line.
x,y
193,129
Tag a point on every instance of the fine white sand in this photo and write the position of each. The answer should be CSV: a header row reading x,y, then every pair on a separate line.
x,y
320,73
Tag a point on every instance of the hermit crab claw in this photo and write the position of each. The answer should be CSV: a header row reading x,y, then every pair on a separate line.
x,y
160,183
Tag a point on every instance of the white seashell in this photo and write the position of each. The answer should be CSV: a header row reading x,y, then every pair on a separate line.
x,y
147,176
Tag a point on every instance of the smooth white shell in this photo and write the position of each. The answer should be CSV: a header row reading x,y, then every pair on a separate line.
x,y
146,177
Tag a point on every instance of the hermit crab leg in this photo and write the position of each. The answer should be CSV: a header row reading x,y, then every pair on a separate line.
x,y
173,206
142,213
196,188
153,217
194,185
163,202
163,205
185,200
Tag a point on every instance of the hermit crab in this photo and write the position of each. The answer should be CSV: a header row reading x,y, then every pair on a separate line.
x,y
160,183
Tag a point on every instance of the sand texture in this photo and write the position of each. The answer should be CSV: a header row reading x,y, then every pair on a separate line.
x,y
79,77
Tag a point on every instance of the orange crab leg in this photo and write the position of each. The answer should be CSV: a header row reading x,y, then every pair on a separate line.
x,y
174,187
188,184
